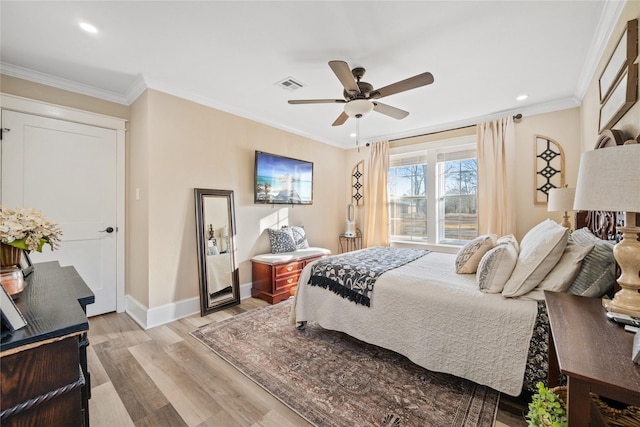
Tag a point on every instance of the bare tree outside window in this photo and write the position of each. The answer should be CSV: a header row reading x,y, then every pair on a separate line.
x,y
459,207
455,201
407,201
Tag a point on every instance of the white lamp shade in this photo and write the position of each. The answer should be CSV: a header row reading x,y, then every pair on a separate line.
x,y
561,199
358,107
609,179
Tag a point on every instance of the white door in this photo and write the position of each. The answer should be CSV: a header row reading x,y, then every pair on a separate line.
x,y
68,171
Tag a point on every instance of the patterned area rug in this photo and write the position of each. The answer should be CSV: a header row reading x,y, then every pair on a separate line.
x,y
332,379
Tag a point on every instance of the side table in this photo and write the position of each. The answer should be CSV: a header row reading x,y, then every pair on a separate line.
x,y
592,351
350,243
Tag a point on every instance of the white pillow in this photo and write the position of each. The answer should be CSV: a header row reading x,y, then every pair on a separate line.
x,y
496,267
563,274
511,239
470,254
540,250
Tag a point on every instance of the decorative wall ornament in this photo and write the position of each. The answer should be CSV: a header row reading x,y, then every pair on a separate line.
x,y
621,98
548,168
623,55
357,184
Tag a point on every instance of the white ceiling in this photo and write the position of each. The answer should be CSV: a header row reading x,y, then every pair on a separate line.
x,y
230,55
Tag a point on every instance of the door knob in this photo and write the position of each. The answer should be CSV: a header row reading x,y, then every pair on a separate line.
x,y
107,230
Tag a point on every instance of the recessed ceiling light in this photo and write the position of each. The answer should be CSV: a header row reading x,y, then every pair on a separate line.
x,y
88,28
522,97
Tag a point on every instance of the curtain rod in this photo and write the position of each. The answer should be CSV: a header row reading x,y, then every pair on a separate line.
x,y
515,117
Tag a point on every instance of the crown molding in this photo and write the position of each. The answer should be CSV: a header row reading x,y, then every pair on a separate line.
x,y
530,110
608,20
72,86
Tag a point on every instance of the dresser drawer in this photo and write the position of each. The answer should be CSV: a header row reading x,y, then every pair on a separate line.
x,y
286,282
288,268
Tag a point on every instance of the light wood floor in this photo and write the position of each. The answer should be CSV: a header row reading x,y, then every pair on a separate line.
x,y
165,377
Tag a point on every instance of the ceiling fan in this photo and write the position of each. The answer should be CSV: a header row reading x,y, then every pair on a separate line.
x,y
360,97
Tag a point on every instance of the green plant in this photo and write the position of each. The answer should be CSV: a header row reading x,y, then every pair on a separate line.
x,y
546,409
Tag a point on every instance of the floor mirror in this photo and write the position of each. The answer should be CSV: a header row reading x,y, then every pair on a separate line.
x,y
217,262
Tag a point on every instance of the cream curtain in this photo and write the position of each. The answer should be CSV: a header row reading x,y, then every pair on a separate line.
x,y
496,177
376,220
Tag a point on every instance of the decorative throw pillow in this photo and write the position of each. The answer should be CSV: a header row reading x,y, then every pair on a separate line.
x,y
511,239
597,274
469,255
563,274
281,240
496,267
299,237
540,250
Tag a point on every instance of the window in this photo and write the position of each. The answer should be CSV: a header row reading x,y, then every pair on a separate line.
x,y
433,192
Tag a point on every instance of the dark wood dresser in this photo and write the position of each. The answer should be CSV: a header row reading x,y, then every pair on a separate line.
x,y
45,380
275,277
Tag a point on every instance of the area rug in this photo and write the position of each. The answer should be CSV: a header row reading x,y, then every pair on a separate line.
x,y
331,379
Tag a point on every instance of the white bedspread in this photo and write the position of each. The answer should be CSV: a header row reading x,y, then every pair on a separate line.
x,y
435,317
219,272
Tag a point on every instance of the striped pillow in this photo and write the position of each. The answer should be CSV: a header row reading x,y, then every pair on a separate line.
x,y
597,274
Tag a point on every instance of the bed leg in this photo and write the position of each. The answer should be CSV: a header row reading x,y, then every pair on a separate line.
x,y
302,326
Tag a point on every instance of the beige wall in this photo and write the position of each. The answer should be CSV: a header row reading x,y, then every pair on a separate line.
x,y
173,146
563,127
590,107
185,146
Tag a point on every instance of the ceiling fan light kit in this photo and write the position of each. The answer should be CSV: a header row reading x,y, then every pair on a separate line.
x,y
358,107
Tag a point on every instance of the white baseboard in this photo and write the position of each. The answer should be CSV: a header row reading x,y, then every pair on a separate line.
x,y
150,317
245,290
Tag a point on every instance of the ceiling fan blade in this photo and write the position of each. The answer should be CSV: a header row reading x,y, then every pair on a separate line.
x,y
317,101
403,85
390,111
341,119
343,72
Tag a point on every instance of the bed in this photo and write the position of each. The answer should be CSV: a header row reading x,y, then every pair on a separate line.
x,y
219,274
464,322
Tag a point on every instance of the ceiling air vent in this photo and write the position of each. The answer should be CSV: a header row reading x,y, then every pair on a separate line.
x,y
290,84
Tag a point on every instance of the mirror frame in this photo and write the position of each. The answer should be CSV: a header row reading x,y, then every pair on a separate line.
x,y
205,307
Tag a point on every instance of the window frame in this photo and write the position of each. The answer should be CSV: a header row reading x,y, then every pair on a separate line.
x,y
431,150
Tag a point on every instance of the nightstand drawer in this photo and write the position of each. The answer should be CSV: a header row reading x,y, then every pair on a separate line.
x,y
289,268
286,282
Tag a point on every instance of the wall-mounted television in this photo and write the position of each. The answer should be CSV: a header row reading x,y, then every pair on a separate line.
x,y
282,180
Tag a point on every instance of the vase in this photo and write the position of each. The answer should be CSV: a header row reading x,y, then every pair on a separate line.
x,y
12,280
9,255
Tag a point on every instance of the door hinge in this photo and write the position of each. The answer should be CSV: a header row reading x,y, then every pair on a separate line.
x,y
2,131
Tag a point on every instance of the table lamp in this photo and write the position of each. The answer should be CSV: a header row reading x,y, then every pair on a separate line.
x,y
561,199
609,180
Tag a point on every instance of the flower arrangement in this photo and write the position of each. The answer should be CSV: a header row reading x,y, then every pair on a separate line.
x,y
28,229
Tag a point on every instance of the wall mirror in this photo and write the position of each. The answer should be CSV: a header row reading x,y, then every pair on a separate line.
x,y
217,262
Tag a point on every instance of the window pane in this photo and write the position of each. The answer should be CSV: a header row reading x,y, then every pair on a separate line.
x,y
407,202
458,203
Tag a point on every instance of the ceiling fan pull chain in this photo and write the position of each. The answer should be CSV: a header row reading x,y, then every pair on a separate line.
x,y
358,133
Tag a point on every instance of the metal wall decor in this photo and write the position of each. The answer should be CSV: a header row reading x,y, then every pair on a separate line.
x,y
357,184
549,168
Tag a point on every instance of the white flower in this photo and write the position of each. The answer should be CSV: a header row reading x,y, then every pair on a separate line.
x,y
28,229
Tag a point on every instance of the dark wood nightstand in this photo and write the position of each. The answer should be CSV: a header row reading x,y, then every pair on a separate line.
x,y
592,351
